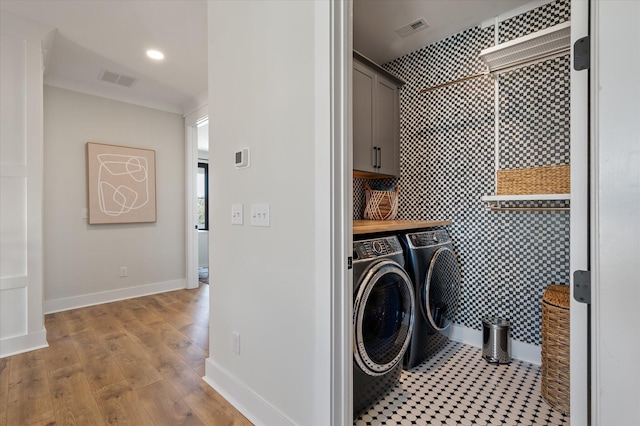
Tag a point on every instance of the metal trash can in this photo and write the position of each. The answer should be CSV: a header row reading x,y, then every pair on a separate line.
x,y
495,340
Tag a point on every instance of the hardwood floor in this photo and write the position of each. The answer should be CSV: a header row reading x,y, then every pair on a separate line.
x,y
134,362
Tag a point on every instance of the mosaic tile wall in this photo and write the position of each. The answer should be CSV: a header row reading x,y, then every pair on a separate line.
x,y
507,259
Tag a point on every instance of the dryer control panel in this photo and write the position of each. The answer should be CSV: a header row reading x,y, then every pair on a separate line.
x,y
369,249
429,238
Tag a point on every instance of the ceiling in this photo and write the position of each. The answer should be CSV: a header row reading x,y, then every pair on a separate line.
x,y
89,37
96,35
375,22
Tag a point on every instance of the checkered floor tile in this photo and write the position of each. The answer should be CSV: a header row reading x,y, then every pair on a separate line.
x,y
458,387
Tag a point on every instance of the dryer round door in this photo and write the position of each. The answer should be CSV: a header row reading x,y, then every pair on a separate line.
x,y
383,316
441,292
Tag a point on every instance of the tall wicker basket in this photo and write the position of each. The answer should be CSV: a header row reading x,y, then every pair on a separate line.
x,y
555,347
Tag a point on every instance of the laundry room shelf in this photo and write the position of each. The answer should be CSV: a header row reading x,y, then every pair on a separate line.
x,y
493,201
526,197
525,49
362,227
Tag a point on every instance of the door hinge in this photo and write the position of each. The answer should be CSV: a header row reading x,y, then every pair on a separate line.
x,y
582,286
582,54
349,262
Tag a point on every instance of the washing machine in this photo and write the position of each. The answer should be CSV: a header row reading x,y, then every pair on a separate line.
x,y
433,267
383,316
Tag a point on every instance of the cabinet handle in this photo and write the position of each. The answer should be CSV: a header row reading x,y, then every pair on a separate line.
x,y
375,157
379,157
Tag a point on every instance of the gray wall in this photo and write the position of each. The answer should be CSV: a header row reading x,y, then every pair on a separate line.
x,y
82,259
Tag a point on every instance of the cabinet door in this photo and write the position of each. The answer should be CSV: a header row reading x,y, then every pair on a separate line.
x,y
386,133
363,85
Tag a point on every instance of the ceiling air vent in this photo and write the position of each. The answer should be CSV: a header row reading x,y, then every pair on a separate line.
x,y
120,79
413,27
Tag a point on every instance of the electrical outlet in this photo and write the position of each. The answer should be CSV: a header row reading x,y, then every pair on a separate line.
x,y
123,271
236,343
260,215
236,214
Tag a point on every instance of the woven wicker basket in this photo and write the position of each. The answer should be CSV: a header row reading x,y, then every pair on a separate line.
x,y
380,205
555,347
535,180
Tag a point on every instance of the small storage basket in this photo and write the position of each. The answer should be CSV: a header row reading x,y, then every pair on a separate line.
x,y
535,180
380,205
555,347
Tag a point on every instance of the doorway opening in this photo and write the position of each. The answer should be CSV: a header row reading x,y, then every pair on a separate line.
x,y
202,200
196,197
449,157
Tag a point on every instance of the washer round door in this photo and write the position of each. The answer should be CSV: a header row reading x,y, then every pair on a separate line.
x,y
441,292
383,315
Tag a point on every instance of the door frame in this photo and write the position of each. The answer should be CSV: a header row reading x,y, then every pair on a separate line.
x,y
191,122
579,250
341,21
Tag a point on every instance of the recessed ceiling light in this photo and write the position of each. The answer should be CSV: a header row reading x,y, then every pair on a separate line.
x,y
155,54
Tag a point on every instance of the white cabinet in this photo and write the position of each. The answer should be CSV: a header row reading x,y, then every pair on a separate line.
x,y
376,119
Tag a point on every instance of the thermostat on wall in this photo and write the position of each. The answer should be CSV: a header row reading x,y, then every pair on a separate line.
x,y
242,158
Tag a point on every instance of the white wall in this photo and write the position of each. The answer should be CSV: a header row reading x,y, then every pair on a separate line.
x,y
82,261
269,91
21,211
203,248
616,301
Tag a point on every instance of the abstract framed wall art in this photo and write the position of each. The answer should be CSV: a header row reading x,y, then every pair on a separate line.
x,y
121,183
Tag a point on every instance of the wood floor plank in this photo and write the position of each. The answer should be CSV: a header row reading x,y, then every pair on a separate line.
x,y
167,313
207,404
75,321
3,413
197,334
29,400
183,379
146,316
165,407
61,353
5,367
51,421
69,388
118,404
89,346
121,312
102,372
159,355
129,358
100,319
83,414
179,343
56,327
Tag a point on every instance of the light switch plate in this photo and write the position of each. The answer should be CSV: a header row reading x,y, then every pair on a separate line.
x,y
260,215
237,217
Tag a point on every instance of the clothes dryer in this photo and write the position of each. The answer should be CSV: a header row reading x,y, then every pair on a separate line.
x,y
433,267
383,315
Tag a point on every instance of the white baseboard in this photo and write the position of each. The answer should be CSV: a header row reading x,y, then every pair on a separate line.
x,y
251,405
25,343
66,303
519,350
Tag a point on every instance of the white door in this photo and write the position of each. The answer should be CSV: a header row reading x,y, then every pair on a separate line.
x,y
615,213
579,236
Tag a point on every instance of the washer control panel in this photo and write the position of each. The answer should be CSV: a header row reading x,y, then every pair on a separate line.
x,y
368,249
